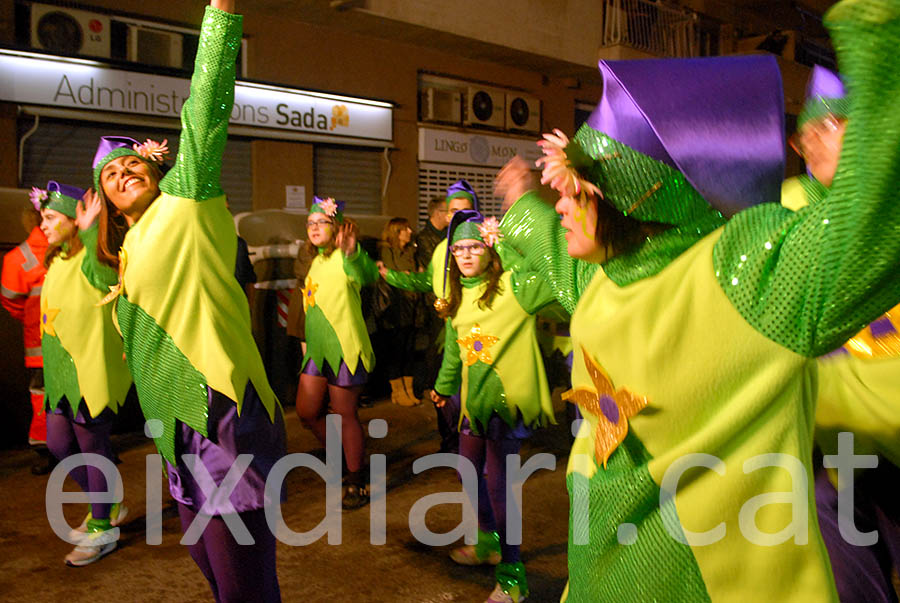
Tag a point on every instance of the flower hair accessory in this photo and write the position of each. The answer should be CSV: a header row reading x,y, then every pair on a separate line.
x,y
38,196
152,150
558,170
329,207
490,231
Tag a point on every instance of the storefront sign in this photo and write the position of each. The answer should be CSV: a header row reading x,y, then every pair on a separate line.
x,y
449,146
30,78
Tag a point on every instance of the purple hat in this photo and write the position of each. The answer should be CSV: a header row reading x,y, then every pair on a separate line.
x,y
718,121
461,188
113,147
58,197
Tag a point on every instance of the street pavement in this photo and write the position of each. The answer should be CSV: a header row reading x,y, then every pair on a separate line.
x,y
401,569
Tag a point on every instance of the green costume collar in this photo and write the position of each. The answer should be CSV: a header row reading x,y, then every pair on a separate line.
x,y
648,191
470,282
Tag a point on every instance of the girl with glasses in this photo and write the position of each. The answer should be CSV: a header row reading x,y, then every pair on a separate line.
x,y
491,355
339,354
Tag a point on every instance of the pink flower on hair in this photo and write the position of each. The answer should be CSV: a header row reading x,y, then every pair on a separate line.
x,y
152,150
557,171
37,196
329,207
490,231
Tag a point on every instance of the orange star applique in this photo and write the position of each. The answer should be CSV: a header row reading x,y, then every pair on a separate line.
x,y
612,409
309,294
478,346
47,316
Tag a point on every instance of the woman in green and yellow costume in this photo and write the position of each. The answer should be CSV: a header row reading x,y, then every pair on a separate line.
x,y
491,356
859,383
339,354
696,340
186,323
85,378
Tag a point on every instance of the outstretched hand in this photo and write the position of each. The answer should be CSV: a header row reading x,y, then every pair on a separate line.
x,y
346,238
87,210
513,181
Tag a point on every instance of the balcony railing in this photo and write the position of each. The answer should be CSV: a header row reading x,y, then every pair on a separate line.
x,y
649,27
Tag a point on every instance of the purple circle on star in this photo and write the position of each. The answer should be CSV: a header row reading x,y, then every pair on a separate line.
x,y
610,409
45,319
478,345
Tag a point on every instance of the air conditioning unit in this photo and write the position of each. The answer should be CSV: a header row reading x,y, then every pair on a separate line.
x,y
484,107
523,113
157,47
69,31
441,105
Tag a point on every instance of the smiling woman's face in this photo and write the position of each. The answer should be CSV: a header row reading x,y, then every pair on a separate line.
x,y
131,185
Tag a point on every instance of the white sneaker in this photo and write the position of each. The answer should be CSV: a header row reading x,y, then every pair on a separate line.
x,y
117,515
92,547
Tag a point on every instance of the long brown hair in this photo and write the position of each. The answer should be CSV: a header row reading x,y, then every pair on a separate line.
x,y
391,232
492,274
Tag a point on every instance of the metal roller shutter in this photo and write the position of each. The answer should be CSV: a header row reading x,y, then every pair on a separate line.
x,y
350,175
434,178
63,150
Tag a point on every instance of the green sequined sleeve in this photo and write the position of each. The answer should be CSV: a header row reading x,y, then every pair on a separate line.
x,y
360,267
449,378
98,274
412,281
531,228
204,116
531,291
809,280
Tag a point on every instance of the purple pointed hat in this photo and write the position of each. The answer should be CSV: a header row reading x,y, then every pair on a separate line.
x,y
112,147
825,94
718,121
461,188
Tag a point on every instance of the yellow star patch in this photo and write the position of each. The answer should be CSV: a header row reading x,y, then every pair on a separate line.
x,y
477,346
47,316
119,288
309,294
612,409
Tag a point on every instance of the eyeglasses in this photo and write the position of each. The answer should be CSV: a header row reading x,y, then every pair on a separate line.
x,y
473,249
319,223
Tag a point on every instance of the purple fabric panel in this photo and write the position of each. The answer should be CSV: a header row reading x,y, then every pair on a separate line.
x,y
83,416
883,326
719,121
230,435
862,574
344,378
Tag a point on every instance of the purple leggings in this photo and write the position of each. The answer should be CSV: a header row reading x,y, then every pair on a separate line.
x,y
491,454
236,573
863,573
66,436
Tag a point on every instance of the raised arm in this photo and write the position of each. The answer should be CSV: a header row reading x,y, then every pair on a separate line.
x,y
812,279
98,274
204,116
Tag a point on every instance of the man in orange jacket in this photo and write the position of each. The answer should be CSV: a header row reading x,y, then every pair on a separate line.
x,y
20,293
